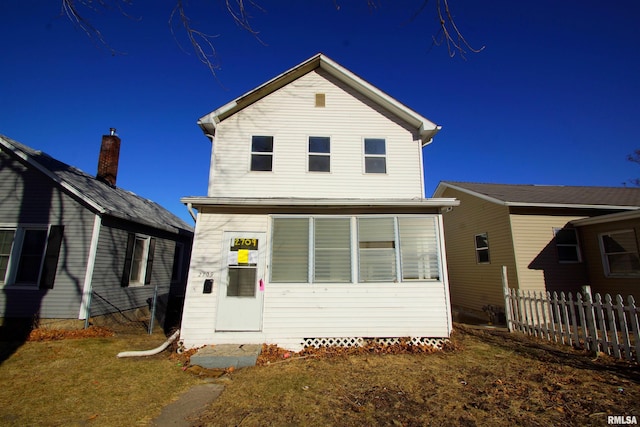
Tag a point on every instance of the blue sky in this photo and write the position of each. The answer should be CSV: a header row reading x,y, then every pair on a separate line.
x,y
554,98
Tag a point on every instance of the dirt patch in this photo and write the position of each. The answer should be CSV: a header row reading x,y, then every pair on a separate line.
x,y
489,377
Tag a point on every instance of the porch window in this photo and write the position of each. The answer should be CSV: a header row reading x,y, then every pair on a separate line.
x,y
375,155
377,249
290,252
262,153
482,248
332,250
346,249
418,243
567,245
620,253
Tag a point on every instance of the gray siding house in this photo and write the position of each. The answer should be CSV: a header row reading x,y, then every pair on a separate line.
x,y
75,246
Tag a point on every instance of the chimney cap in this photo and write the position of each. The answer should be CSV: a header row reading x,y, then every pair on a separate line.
x,y
112,131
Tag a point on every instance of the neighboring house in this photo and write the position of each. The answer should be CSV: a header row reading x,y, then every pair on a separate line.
x,y
610,249
315,229
73,245
530,229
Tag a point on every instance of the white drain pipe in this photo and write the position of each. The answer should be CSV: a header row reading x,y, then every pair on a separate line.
x,y
156,350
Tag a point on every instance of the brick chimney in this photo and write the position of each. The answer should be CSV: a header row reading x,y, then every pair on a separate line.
x,y
108,161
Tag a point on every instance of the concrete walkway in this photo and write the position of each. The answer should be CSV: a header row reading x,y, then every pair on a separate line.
x,y
193,402
188,406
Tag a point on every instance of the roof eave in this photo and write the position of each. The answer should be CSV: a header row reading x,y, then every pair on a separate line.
x,y
426,128
319,202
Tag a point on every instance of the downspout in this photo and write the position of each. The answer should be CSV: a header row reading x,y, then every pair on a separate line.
x,y
151,352
190,209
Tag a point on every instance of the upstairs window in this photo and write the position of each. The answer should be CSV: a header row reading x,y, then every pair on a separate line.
x,y
567,245
375,155
319,154
482,248
620,253
261,153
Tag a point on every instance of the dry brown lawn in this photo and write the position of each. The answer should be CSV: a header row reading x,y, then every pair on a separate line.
x,y
488,378
492,378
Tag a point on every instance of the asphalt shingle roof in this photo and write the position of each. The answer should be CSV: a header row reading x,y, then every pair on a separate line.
x,y
113,201
555,194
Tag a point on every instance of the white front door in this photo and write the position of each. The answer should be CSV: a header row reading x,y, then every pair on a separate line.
x,y
241,288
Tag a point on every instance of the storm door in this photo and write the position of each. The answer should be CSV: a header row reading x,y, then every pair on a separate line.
x,y
241,289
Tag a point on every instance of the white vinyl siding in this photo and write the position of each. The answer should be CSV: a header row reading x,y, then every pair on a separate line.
x,y
290,116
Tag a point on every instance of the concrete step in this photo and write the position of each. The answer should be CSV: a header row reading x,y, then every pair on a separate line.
x,y
223,356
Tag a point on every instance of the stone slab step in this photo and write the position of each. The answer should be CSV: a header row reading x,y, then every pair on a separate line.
x,y
223,356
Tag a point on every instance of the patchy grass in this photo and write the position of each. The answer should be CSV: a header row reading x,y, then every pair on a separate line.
x,y
69,382
492,378
486,378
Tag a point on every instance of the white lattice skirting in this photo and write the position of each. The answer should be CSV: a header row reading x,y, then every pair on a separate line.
x,y
362,342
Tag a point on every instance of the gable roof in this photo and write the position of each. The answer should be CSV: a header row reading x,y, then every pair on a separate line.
x,y
97,195
612,198
426,128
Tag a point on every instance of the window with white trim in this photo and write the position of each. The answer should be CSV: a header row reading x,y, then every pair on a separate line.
x,y
567,245
29,255
482,248
620,253
261,153
319,154
138,262
6,242
327,249
375,155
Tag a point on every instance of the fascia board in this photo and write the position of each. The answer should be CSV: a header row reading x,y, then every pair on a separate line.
x,y
238,201
602,219
569,205
64,184
471,192
426,128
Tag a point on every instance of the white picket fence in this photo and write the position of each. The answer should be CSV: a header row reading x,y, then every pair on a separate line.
x,y
607,326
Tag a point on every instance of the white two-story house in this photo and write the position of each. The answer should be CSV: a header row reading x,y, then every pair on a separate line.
x,y
315,230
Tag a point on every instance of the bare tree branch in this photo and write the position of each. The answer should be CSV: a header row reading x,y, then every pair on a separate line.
x,y
241,16
70,9
456,42
201,42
